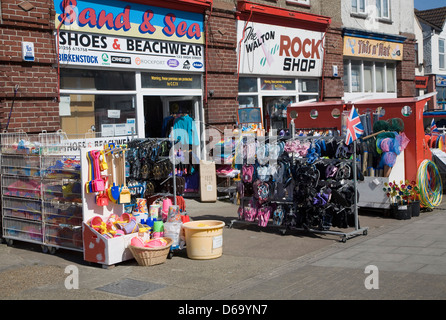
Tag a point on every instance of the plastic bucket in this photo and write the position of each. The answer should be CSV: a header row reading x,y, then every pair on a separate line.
x,y
204,239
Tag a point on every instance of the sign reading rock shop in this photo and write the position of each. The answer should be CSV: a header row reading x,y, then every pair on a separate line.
x,y
275,50
124,35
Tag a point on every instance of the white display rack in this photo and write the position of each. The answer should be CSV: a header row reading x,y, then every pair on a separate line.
x,y
41,192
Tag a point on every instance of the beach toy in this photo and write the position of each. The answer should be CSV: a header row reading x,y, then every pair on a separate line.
x,y
103,163
174,214
128,227
166,204
158,229
113,189
137,242
97,183
154,211
124,195
155,243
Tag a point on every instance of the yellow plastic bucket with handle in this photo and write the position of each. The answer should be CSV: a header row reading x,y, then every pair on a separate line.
x,y
204,239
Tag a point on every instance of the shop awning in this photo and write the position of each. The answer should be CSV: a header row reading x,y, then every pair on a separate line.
x,y
280,16
182,5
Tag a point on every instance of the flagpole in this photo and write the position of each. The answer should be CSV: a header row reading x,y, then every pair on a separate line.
x,y
355,180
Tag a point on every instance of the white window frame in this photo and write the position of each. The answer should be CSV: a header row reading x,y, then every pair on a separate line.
x,y
374,92
260,93
442,55
380,8
306,2
357,9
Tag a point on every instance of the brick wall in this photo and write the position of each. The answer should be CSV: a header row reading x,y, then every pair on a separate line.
x,y
35,106
332,87
221,76
405,70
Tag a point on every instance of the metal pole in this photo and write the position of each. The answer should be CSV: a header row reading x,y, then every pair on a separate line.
x,y
172,139
355,185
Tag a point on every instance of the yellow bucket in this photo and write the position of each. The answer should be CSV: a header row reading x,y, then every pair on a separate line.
x,y
204,239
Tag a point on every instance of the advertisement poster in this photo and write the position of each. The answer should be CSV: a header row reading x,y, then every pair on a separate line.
x,y
275,50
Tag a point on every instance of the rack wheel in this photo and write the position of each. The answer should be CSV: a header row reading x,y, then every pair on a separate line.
x,y
52,250
365,232
44,249
344,239
283,231
9,242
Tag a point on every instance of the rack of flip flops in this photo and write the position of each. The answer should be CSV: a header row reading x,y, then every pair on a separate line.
x,y
303,183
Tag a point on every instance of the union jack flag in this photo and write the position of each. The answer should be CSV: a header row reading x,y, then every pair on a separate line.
x,y
433,126
354,127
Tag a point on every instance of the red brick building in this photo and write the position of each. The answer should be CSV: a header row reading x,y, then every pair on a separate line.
x,y
76,96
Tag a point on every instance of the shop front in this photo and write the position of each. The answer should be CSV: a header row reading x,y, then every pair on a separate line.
x,y
280,61
130,69
370,64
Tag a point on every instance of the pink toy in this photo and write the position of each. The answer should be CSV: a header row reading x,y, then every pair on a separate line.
x,y
119,233
155,243
166,204
137,242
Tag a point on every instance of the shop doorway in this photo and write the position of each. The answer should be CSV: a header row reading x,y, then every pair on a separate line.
x,y
160,113
274,111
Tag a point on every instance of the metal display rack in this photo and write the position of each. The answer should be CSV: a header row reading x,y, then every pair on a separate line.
x,y
343,235
40,191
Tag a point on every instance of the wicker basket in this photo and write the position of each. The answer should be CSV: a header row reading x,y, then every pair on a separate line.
x,y
151,256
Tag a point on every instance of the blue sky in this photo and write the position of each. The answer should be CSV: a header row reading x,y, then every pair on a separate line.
x,y
429,4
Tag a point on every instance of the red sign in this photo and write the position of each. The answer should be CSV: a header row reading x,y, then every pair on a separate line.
x,y
421,82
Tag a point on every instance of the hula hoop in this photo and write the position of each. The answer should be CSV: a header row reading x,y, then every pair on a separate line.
x,y
430,184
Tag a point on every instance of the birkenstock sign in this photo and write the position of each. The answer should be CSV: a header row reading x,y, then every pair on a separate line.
x,y
275,50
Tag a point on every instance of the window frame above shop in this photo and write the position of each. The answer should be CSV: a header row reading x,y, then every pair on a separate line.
x,y
373,63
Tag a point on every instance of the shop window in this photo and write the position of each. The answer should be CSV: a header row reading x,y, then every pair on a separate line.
x,y
356,76
108,115
391,77
76,79
346,76
368,76
442,54
441,97
89,102
273,95
247,85
379,77
170,81
248,102
308,85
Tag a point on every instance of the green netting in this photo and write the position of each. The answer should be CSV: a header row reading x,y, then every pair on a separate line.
x,y
380,125
396,124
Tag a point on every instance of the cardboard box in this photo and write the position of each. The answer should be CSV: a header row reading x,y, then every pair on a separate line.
x,y
208,181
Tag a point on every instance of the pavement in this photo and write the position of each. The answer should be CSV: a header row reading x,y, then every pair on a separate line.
x,y
396,260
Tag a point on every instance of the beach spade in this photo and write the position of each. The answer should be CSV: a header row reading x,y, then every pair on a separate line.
x,y
113,189
125,195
